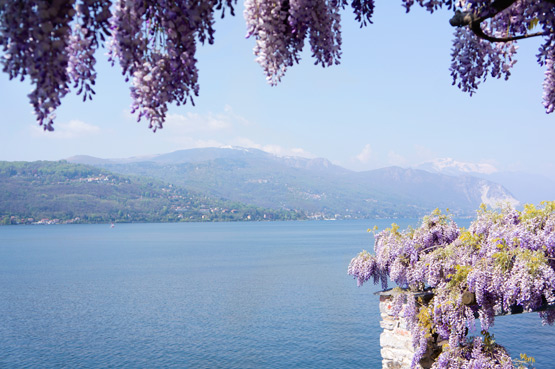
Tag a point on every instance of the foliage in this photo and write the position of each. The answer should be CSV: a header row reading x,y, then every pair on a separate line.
x,y
506,260
63,192
53,43
524,362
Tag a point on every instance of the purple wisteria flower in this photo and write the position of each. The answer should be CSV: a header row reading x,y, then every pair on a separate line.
x,y
503,261
54,44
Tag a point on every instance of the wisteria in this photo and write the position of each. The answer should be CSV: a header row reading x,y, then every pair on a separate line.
x,y
280,29
504,262
155,43
54,43
474,59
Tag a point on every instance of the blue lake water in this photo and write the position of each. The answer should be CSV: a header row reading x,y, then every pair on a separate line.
x,y
201,295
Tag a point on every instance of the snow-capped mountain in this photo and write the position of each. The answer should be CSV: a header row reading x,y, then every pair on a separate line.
x,y
526,187
454,167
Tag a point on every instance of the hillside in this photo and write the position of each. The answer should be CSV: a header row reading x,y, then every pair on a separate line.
x,y
61,192
314,186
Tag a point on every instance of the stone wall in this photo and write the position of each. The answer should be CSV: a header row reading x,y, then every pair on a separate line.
x,y
396,340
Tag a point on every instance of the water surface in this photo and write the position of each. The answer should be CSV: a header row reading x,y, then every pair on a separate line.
x,y
200,295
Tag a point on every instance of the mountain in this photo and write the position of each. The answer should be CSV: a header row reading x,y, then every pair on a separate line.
x,y
527,187
314,186
55,192
452,167
457,193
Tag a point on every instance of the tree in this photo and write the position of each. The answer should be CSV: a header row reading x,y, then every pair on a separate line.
x,y
53,43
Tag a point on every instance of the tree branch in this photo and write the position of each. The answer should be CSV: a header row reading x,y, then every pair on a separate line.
x,y
500,5
478,31
474,21
467,18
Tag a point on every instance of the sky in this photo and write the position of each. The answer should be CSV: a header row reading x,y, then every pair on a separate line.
x,y
389,102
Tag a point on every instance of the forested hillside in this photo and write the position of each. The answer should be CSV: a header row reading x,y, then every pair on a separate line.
x,y
61,192
313,186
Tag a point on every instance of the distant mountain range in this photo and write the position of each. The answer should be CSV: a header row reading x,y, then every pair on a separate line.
x,y
315,187
526,187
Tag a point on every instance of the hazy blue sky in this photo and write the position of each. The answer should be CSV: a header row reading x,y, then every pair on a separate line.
x,y
390,102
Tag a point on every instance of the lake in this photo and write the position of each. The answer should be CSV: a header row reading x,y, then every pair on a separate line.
x,y
201,295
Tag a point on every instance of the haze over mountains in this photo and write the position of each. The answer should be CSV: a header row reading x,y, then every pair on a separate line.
x,y
315,186
526,187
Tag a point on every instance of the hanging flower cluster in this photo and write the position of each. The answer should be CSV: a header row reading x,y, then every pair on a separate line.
x,y
474,59
504,261
485,43
53,43
155,43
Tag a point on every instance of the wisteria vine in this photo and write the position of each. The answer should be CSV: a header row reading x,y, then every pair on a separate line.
x,y
53,43
504,261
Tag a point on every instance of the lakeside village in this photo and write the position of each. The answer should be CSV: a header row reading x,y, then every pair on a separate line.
x,y
208,216
66,199
100,198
